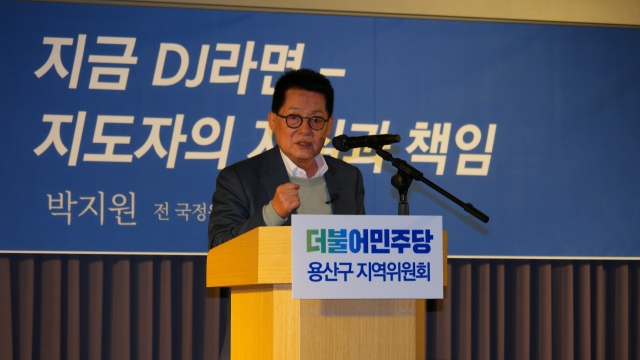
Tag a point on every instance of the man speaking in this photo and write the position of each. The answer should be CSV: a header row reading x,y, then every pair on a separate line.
x,y
290,178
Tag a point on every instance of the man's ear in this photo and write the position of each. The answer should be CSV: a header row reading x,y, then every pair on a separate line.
x,y
272,120
330,126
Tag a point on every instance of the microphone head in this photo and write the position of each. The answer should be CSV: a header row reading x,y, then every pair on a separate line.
x,y
340,143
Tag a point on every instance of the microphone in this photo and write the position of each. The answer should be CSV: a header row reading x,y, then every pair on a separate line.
x,y
345,143
334,197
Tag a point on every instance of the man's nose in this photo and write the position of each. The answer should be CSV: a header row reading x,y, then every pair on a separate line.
x,y
305,127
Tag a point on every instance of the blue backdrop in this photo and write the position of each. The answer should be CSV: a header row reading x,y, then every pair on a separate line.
x,y
116,121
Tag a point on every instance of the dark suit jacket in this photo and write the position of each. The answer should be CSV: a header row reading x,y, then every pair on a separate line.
x,y
243,188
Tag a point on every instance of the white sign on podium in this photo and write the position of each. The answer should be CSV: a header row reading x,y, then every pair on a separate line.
x,y
366,257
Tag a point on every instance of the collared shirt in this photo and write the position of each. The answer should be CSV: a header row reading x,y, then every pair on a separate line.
x,y
295,171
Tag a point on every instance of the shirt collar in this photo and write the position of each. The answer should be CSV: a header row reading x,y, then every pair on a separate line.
x,y
295,171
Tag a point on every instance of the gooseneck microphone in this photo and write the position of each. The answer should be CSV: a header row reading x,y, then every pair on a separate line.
x,y
345,143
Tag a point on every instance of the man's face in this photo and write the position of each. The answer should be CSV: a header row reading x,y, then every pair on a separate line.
x,y
301,145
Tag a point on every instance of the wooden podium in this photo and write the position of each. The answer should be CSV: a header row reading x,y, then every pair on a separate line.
x,y
266,323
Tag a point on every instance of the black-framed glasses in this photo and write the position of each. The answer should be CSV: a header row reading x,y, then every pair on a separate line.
x,y
294,121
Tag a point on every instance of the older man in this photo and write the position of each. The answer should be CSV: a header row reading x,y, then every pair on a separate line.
x,y
292,177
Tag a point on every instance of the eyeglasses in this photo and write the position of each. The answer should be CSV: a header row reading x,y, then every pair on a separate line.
x,y
294,121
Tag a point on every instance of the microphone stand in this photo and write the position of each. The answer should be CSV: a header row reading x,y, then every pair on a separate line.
x,y
407,173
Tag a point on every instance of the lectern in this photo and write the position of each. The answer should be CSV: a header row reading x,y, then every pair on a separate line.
x,y
267,323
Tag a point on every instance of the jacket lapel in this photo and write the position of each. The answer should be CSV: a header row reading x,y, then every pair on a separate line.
x,y
274,174
335,189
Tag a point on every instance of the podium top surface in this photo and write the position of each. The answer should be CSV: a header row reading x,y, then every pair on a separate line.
x,y
260,256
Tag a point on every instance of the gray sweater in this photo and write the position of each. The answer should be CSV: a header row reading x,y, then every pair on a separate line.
x,y
314,198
